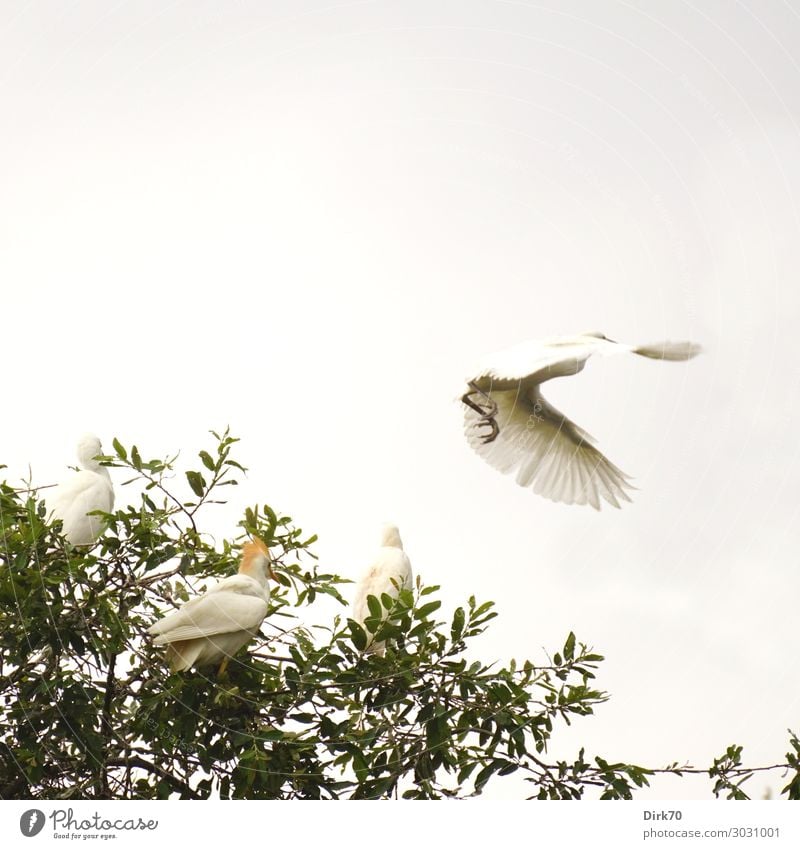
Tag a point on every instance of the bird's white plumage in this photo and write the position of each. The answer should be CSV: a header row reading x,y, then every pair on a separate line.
x,y
86,491
235,606
218,623
389,572
536,442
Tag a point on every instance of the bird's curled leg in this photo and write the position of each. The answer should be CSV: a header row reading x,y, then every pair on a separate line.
x,y
494,430
223,666
487,416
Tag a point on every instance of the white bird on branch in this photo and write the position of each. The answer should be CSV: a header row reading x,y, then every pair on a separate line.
x,y
88,490
524,435
215,625
388,573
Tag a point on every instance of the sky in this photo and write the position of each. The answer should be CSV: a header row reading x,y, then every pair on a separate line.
x,y
310,221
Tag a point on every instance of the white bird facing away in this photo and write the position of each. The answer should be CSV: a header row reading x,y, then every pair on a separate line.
x,y
88,490
529,437
389,572
215,625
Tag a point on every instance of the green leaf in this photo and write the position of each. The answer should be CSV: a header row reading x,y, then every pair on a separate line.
x,y
197,483
483,776
427,609
208,462
357,634
569,646
375,607
457,628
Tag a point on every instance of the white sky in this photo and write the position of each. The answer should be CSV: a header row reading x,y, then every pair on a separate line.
x,y
308,221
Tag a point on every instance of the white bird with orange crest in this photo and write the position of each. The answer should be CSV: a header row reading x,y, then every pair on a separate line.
x,y
215,625
388,573
510,424
88,490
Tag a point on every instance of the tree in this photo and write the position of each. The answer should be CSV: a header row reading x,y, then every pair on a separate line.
x,y
88,708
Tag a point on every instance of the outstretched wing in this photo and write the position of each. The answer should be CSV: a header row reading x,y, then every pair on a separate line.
x,y
533,362
667,350
546,451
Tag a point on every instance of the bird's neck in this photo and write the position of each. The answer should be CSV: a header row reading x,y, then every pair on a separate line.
x,y
391,539
254,568
94,466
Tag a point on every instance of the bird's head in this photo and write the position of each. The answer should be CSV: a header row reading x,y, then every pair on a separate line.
x,y
89,447
390,537
256,558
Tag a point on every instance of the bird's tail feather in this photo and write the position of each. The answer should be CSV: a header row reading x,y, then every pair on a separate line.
x,y
675,351
183,654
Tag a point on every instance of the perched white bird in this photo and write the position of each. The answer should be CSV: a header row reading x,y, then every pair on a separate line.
x,y
527,436
215,625
88,490
389,572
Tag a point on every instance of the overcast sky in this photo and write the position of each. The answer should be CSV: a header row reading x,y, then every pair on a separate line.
x,y
310,220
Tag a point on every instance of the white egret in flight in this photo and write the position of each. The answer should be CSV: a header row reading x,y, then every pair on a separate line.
x,y
510,424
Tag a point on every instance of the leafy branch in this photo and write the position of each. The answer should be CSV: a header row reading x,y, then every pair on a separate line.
x,y
88,708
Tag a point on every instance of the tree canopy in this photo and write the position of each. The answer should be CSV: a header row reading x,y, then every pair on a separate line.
x,y
88,708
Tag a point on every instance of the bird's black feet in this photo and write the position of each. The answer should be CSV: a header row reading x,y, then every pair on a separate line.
x,y
494,430
487,411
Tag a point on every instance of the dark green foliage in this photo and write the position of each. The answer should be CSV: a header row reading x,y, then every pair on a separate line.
x,y
792,789
88,708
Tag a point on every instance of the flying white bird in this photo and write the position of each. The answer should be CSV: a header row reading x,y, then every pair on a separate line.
x,y
525,435
86,491
215,625
389,572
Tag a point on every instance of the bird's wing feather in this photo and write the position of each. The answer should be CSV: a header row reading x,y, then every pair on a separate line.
x,y
84,488
214,613
85,493
175,618
239,583
674,351
235,584
535,362
547,452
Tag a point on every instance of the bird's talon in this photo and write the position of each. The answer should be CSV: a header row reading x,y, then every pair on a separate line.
x,y
494,430
490,437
